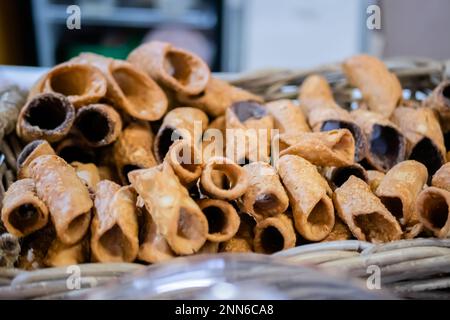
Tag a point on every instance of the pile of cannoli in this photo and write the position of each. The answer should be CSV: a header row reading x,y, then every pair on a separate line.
x,y
152,158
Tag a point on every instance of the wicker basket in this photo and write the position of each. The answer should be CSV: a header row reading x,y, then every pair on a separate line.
x,y
417,268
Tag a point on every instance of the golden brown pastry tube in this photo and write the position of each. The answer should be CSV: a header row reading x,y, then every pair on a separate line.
x,y
98,124
186,161
340,232
47,116
236,179
236,245
133,149
214,143
287,117
425,142
129,88
441,178
223,220
180,123
439,101
209,247
331,148
399,189
60,254
88,172
23,211
337,176
114,226
381,89
433,207
177,217
82,84
216,98
173,68
73,149
265,195
386,144
324,114
364,213
250,134
308,192
274,234
65,195
30,152
374,179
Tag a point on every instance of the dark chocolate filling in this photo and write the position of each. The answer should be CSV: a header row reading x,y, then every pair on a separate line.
x,y
271,240
355,131
245,110
24,217
216,219
341,175
47,112
93,125
385,145
428,154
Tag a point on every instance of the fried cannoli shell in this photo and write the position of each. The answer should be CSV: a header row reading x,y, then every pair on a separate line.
x,y
340,232
287,117
47,116
98,124
381,89
265,195
209,247
177,217
336,176
23,211
236,176
180,123
236,245
82,84
65,195
274,234
399,189
439,101
186,162
133,149
251,123
30,152
441,178
173,68
334,148
223,220
315,92
60,254
374,179
129,88
114,226
88,172
365,215
425,141
217,97
433,207
308,193
386,144
214,143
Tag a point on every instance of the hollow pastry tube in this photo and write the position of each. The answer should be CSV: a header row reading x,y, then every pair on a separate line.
x,y
425,142
386,144
133,149
374,179
23,211
236,245
213,144
308,193
114,225
88,173
243,240
336,176
129,88
217,97
65,195
316,99
265,195
180,123
236,179
177,217
439,100
287,117
365,215
186,162
82,84
331,148
73,149
223,220
441,178
380,89
433,207
47,116
173,68
60,254
248,133
98,124
30,152
274,234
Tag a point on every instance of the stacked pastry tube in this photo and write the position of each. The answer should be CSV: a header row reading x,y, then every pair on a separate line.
x,y
153,158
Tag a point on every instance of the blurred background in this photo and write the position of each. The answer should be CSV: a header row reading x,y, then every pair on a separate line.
x,y
231,35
